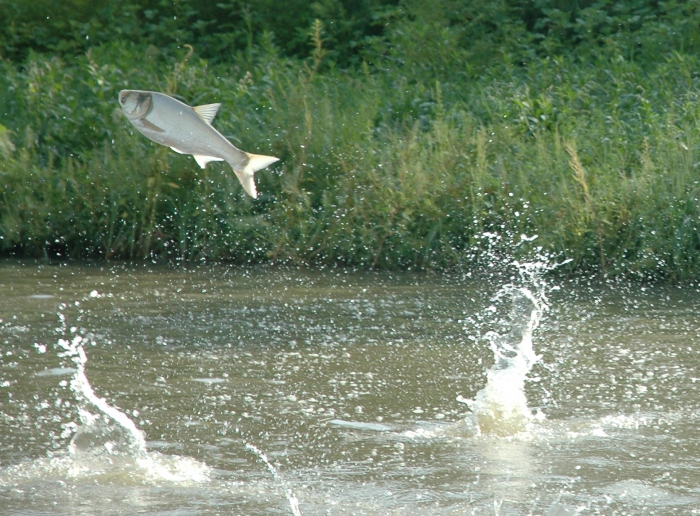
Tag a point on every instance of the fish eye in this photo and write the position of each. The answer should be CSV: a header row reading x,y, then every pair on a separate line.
x,y
123,100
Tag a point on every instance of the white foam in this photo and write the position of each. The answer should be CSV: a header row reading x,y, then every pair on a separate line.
x,y
359,425
108,468
57,371
209,381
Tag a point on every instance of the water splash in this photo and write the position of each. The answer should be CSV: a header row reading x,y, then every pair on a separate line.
x,y
293,500
515,312
107,442
135,442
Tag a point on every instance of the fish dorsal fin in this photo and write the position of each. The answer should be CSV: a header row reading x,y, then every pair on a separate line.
x,y
203,160
207,112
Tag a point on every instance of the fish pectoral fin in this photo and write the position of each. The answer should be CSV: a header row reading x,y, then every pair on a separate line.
x,y
207,112
150,126
178,150
203,160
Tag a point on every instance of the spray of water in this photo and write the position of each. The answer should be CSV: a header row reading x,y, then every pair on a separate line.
x,y
293,501
514,314
107,439
92,424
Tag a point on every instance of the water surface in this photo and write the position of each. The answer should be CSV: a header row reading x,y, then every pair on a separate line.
x,y
351,385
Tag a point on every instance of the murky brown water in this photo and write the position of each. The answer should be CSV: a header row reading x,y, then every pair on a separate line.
x,y
349,384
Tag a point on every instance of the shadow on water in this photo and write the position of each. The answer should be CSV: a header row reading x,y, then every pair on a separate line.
x,y
257,391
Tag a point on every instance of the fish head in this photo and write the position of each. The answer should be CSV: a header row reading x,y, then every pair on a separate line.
x,y
134,103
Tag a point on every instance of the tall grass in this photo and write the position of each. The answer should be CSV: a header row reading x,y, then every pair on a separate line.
x,y
401,164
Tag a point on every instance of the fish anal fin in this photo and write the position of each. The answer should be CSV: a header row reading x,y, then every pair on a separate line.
x,y
150,126
207,112
203,160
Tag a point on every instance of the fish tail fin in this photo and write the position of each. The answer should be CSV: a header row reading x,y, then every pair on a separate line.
x,y
255,163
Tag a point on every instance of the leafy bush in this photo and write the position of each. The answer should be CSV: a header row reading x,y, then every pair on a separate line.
x,y
402,160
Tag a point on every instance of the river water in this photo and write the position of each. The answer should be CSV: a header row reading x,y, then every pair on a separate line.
x,y
220,390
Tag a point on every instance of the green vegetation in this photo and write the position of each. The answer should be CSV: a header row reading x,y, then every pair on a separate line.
x,y
405,130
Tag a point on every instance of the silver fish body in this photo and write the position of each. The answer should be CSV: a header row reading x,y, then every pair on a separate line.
x,y
188,130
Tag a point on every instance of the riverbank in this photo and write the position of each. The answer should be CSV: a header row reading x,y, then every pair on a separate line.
x,y
403,162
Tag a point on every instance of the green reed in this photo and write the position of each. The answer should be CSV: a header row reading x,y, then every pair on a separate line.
x,y
390,165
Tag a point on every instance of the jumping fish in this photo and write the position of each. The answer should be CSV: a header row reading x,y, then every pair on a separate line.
x,y
188,130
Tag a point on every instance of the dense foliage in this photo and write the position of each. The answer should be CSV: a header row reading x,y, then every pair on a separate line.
x,y
406,129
